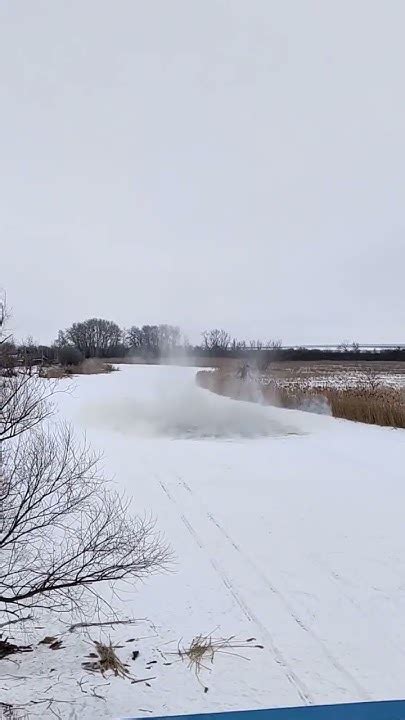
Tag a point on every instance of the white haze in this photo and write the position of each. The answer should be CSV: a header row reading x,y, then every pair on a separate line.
x,y
185,411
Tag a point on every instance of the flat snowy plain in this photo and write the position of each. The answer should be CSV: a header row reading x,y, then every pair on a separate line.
x,y
285,526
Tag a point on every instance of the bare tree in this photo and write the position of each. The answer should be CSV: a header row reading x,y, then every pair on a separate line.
x,y
62,529
256,344
236,345
25,401
169,338
2,310
3,317
134,337
274,344
70,355
150,340
94,337
153,340
28,353
216,340
7,347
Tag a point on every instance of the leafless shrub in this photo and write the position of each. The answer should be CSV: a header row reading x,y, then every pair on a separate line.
x,y
69,355
8,712
62,529
25,401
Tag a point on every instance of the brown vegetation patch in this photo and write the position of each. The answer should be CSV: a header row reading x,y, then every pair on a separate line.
x,y
91,366
369,402
54,373
107,659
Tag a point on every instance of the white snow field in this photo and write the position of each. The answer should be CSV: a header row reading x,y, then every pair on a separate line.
x,y
286,527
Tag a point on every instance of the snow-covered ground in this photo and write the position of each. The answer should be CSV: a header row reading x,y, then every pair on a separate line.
x,y
286,527
339,379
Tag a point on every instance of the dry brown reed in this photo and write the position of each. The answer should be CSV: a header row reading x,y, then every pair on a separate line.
x,y
369,402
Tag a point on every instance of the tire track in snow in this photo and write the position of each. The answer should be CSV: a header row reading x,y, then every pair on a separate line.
x,y
165,490
336,664
292,678
245,609
339,579
358,687
224,532
278,656
192,531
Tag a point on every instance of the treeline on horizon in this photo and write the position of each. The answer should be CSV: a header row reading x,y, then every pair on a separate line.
x,y
99,338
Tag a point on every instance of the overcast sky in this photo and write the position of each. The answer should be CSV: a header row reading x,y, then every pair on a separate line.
x,y
228,163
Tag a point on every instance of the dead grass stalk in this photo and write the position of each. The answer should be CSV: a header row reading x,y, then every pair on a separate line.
x,y
107,660
203,648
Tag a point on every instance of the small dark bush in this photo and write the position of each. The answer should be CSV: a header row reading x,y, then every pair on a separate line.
x,y
70,355
93,366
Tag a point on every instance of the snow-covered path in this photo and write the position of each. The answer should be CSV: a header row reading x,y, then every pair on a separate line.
x,y
286,527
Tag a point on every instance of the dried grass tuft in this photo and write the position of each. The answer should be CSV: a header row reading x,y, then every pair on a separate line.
x,y
107,660
203,649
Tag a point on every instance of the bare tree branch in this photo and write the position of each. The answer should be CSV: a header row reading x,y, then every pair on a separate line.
x,y
62,529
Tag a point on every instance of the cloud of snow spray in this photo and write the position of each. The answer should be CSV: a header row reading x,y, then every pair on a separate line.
x,y
317,404
252,389
173,406
312,403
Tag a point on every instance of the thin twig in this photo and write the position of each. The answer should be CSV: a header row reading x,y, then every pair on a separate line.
x,y
17,620
133,682
101,624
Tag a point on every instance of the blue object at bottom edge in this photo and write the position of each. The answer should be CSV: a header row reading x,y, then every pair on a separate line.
x,y
382,710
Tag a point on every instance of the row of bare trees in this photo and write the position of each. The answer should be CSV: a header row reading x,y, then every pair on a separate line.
x,y
96,337
154,340
102,338
221,340
63,530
